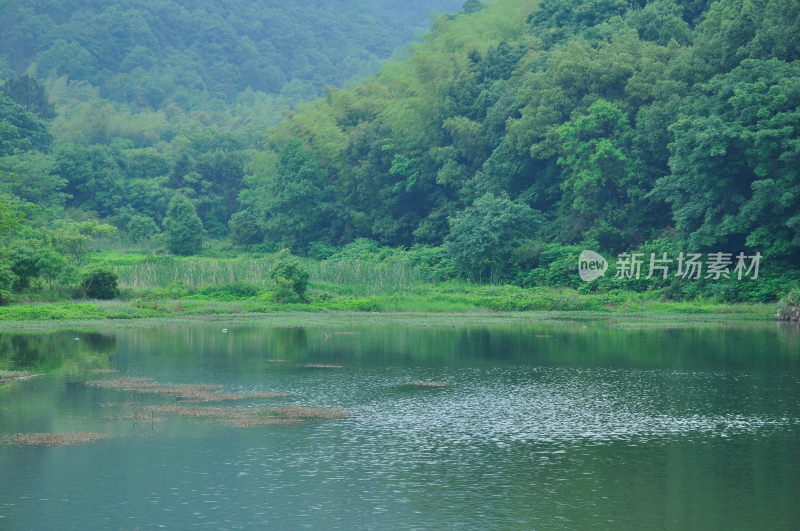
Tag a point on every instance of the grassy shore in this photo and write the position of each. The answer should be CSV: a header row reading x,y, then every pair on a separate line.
x,y
431,299
176,288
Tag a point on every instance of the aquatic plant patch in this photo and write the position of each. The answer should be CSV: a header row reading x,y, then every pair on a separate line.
x,y
53,439
188,392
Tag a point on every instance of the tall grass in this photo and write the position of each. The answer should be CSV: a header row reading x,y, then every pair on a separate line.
x,y
369,277
372,278
193,273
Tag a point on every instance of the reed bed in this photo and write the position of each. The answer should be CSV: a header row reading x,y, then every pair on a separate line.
x,y
164,273
53,439
188,392
371,278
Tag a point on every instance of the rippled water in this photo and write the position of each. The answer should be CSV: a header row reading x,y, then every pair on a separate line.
x,y
541,426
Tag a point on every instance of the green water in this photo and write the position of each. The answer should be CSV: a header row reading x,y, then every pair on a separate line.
x,y
572,425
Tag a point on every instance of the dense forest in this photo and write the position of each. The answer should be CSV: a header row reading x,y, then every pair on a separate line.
x,y
509,138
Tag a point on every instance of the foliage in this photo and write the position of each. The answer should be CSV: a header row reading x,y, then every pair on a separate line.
x,y
30,93
19,129
669,125
183,227
291,278
171,52
7,281
141,227
11,214
789,308
482,236
76,238
99,282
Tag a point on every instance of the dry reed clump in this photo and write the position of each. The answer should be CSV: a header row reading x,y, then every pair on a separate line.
x,y
321,366
436,385
189,392
247,417
53,439
15,376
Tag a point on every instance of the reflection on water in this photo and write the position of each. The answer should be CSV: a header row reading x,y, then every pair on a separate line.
x,y
540,426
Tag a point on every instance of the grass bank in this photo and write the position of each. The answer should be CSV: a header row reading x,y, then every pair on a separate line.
x,y
157,287
449,297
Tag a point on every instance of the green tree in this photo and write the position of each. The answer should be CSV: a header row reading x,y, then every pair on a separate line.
x,y
183,226
734,161
601,179
11,212
31,95
244,229
140,228
51,264
20,130
291,278
76,238
483,236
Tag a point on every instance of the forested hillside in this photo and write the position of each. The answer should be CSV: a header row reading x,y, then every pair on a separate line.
x,y
516,131
156,53
513,135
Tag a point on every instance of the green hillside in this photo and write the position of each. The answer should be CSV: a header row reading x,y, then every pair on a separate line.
x,y
511,137
165,52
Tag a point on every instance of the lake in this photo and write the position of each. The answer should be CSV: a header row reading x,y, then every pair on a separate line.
x,y
572,424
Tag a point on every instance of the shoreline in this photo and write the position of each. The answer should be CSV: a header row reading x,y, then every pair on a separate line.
x,y
414,319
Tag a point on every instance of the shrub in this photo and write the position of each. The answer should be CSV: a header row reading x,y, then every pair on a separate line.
x,y
100,282
789,308
291,278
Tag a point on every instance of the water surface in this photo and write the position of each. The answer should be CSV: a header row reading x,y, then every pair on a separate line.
x,y
577,424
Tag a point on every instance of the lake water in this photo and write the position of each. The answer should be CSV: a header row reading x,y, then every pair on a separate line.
x,y
551,425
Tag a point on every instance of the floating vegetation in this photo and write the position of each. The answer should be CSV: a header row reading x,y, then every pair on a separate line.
x,y
15,376
53,439
436,385
321,366
247,417
189,392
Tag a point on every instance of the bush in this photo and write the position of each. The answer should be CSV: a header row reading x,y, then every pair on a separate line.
x,y
789,308
291,278
100,282
141,228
